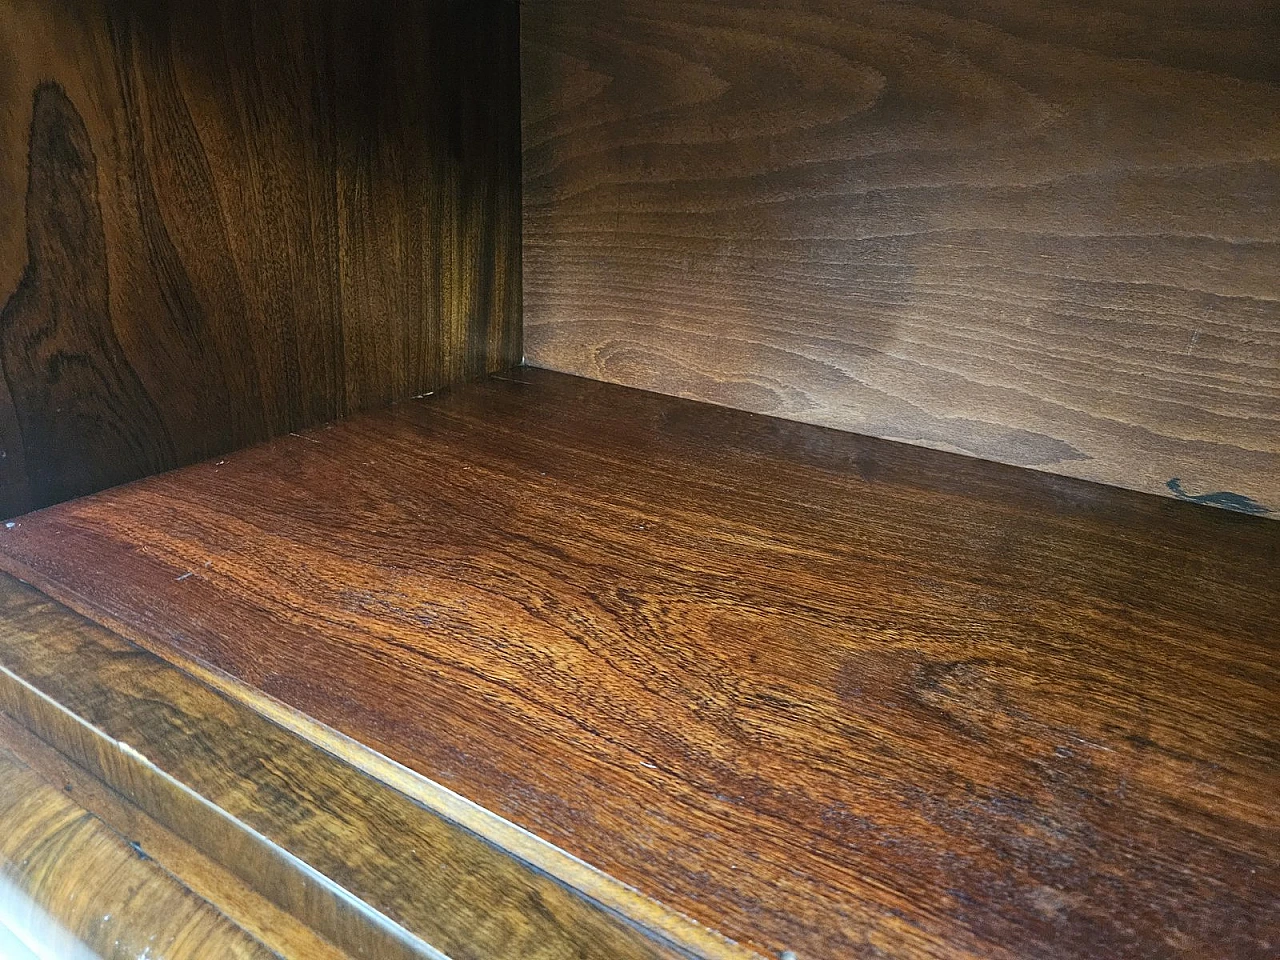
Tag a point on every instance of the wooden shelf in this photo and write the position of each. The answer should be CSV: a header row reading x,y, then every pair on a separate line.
x,y
818,692
315,858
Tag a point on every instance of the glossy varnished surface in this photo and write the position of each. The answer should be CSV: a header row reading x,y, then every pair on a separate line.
x,y
823,693
222,221
1041,233
74,889
346,858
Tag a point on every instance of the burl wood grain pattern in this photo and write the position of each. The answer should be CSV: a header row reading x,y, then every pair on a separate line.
x,y
821,692
1045,234
72,888
350,859
224,221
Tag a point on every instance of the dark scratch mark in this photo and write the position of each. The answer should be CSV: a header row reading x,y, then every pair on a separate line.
x,y
1223,499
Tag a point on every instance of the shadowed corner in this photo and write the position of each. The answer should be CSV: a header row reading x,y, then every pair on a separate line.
x,y
1222,499
85,419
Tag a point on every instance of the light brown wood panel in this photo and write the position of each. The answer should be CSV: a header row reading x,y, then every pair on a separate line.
x,y
1041,233
222,221
818,691
77,890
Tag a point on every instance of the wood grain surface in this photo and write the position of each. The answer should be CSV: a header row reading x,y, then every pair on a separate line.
x,y
74,889
224,221
1046,234
278,931
350,859
821,692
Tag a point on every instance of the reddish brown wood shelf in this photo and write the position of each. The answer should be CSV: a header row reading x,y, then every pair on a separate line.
x,y
822,693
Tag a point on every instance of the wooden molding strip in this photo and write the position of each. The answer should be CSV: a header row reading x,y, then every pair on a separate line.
x,y
71,888
281,932
390,869
340,916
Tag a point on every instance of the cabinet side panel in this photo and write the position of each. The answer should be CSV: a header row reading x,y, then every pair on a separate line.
x,y
1044,234
228,220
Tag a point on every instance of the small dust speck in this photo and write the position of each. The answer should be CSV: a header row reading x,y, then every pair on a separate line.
x,y
10,525
787,955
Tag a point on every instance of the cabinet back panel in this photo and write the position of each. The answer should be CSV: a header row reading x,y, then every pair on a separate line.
x,y
225,220
1044,234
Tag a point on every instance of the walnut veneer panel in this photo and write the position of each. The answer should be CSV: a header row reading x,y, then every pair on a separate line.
x,y
221,221
1046,234
820,692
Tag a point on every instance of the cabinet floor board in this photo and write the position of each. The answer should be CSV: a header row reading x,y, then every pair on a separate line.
x,y
819,692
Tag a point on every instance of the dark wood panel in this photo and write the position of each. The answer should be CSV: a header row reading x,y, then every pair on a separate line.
x,y
358,863
822,692
78,890
224,221
1046,234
